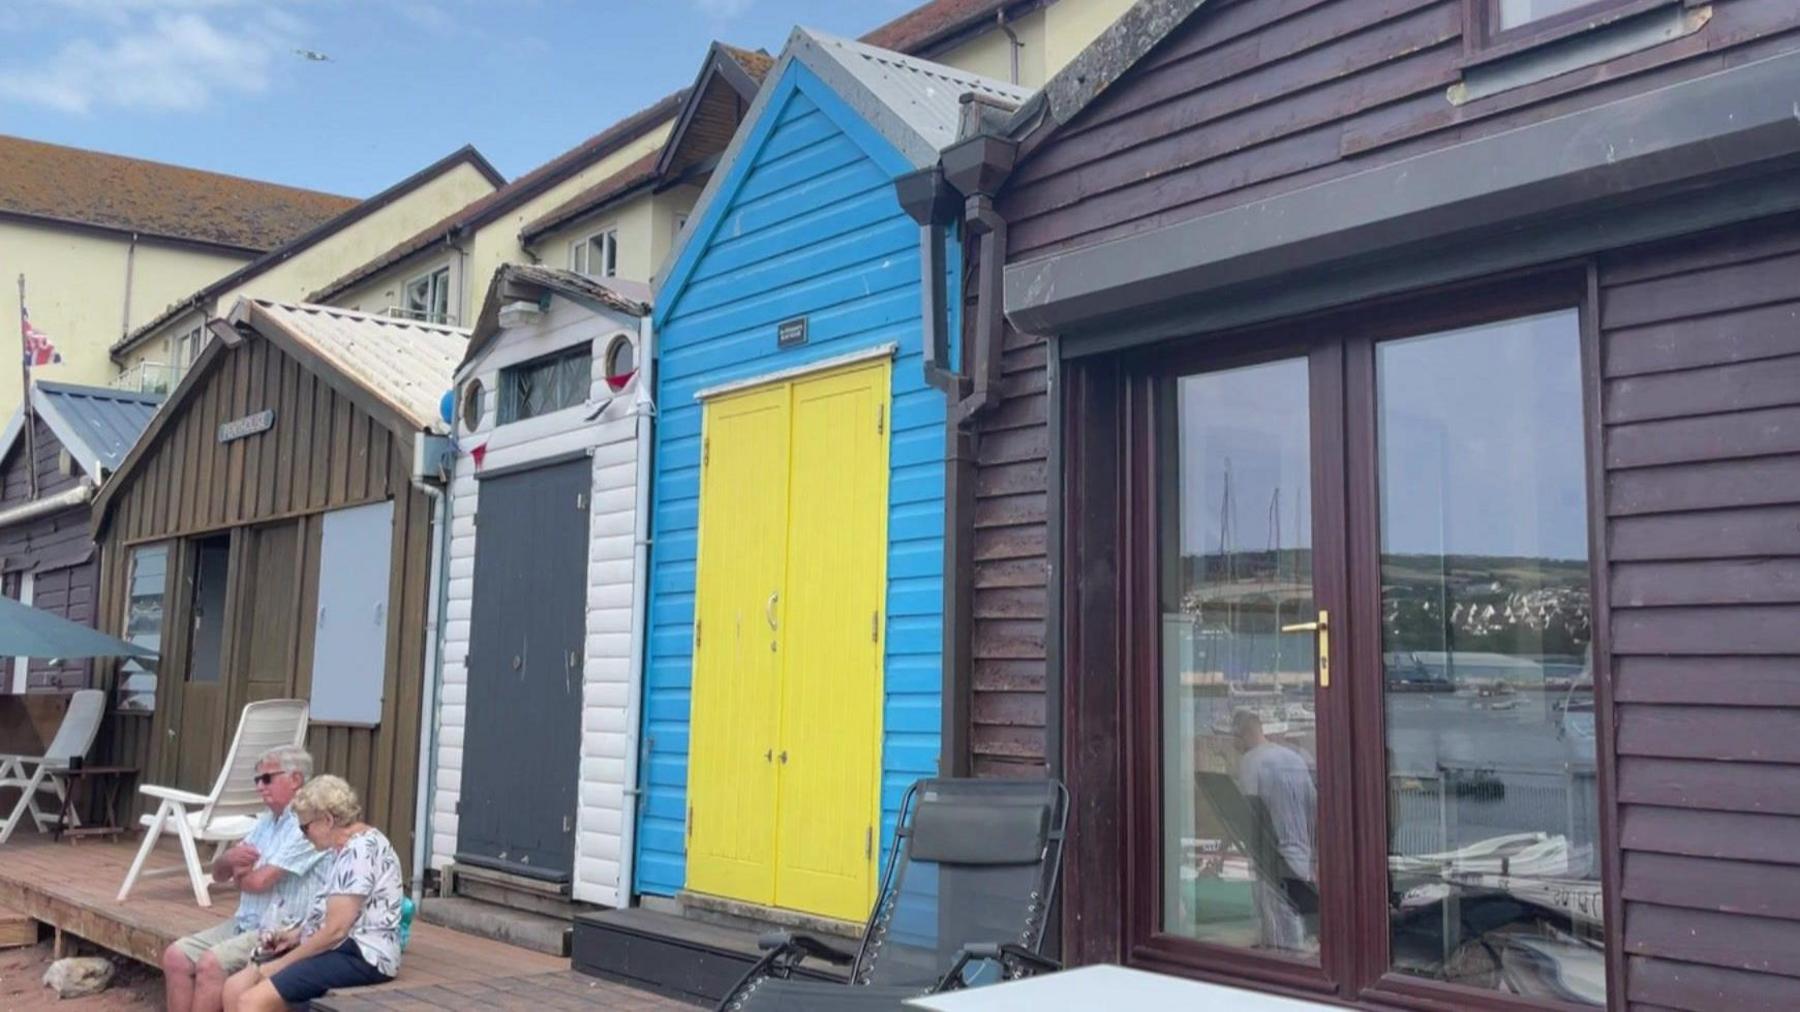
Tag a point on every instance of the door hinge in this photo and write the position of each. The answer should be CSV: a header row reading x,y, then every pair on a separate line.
x,y
690,822
706,451
568,824
880,419
581,500
869,844
875,627
696,634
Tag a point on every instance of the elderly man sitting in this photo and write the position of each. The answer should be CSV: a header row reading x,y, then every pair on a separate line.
x,y
276,870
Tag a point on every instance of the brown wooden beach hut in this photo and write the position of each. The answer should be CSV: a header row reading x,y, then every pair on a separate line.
x,y
272,535
1384,514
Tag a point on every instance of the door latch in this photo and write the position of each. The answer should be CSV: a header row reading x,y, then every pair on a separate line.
x,y
1323,629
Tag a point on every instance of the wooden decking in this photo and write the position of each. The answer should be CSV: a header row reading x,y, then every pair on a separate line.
x,y
71,886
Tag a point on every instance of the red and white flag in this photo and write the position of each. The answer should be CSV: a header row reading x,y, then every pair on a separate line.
x,y
38,349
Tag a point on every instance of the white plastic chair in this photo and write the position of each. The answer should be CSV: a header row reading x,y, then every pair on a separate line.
x,y
227,814
44,773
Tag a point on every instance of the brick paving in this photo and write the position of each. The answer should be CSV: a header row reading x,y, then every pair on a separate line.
x,y
562,990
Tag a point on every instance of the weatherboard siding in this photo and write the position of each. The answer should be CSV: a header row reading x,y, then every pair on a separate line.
x,y
611,440
805,224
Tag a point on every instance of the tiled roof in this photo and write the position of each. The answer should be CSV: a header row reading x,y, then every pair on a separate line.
x,y
594,197
151,198
934,21
482,211
405,364
286,251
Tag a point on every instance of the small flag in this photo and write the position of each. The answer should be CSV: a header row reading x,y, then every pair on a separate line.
x,y
38,349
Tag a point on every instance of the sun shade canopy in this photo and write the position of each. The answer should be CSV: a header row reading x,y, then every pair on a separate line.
x,y
28,632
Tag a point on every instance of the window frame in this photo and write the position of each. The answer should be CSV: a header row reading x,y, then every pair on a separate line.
x,y
436,283
581,253
1110,484
1484,39
507,408
168,547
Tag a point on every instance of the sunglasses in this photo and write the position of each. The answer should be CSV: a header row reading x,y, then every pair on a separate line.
x,y
265,779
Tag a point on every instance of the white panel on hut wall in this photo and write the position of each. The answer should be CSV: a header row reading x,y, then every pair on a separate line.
x,y
612,440
599,826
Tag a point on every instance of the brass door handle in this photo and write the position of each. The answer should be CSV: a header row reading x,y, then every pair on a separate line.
x,y
1323,628
769,609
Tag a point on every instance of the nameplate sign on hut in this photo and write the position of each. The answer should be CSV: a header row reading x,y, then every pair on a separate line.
x,y
790,332
249,425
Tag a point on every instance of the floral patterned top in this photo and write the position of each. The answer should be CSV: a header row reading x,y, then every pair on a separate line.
x,y
366,866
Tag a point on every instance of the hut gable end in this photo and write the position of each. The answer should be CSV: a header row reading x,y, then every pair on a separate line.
x,y
320,451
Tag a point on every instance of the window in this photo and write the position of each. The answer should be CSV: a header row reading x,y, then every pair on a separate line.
x,y
546,384
1503,26
145,586
187,350
1513,13
596,256
471,405
620,363
428,297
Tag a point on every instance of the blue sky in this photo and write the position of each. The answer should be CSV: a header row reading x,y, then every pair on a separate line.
x,y
217,84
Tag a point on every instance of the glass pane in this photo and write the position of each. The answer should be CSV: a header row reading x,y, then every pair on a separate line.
x,y
1486,622
1240,799
1514,13
211,571
143,626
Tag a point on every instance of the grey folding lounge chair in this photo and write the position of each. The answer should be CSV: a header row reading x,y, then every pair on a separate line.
x,y
964,901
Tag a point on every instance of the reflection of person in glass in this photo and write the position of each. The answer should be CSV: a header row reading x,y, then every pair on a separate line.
x,y
1279,778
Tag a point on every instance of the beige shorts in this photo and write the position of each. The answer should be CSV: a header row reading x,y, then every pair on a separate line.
x,y
231,947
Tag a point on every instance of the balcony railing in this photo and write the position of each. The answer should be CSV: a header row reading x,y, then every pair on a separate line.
x,y
147,378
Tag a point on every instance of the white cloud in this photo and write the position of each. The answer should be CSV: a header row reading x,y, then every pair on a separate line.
x,y
151,55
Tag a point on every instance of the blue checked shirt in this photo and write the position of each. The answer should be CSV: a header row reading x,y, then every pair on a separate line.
x,y
280,842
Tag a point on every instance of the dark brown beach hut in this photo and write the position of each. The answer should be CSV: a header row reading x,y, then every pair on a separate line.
x,y
1386,513
271,534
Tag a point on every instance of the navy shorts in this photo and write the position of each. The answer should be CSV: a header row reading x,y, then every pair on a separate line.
x,y
311,978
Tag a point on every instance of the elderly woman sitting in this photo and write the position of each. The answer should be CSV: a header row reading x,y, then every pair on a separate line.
x,y
351,935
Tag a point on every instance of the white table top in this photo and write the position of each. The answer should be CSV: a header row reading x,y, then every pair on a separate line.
x,y
1107,986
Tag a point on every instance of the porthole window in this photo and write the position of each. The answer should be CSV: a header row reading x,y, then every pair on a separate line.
x,y
621,363
471,405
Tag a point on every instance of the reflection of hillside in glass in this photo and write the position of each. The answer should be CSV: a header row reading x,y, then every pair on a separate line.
x,y
1518,607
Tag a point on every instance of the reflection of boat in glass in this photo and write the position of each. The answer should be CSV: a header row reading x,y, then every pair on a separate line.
x,y
1553,965
1534,868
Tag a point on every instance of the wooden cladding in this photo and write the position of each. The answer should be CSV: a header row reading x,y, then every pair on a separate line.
x,y
1702,457
322,452
269,492
1252,98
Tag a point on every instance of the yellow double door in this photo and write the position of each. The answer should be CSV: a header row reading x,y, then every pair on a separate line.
x,y
784,749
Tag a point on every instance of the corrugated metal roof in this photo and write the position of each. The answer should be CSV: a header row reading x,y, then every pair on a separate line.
x,y
98,425
406,364
915,103
135,195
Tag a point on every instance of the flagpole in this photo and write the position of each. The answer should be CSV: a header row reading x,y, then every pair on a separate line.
x,y
25,415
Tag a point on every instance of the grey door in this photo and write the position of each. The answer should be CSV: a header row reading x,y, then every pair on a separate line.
x,y
522,736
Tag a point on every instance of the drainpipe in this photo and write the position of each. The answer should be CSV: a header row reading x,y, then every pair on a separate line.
x,y
974,168
130,264
1012,37
643,405
81,493
930,201
434,680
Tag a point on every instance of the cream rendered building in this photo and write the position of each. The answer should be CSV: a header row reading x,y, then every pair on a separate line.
x,y
612,206
105,242
155,355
